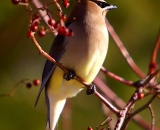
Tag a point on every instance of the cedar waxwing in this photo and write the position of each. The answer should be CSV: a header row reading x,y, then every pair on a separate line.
x,y
83,53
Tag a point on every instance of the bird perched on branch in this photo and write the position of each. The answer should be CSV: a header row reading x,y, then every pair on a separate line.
x,y
82,54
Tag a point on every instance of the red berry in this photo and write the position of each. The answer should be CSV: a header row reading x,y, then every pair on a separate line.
x,y
57,26
29,34
51,22
36,82
66,31
36,22
66,3
63,17
89,128
33,27
41,33
28,85
15,2
140,95
61,31
36,16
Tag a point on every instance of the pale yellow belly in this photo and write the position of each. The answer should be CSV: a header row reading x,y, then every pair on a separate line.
x,y
85,55
87,69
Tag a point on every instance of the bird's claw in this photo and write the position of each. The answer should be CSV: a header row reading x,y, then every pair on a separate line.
x,y
91,89
70,75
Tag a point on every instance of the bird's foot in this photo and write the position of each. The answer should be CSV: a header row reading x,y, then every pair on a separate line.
x,y
91,89
70,75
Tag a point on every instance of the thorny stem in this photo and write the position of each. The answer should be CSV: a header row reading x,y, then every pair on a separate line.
x,y
124,51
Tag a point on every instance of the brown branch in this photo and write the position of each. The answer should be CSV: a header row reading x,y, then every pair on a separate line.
x,y
130,116
43,14
152,115
150,77
133,99
152,65
116,77
67,116
107,103
14,88
124,51
109,94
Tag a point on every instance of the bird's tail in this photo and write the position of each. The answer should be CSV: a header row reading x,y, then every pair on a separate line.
x,y
55,106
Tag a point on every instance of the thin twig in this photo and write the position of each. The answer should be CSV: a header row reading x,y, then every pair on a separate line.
x,y
43,14
123,114
107,103
150,77
152,65
130,116
14,89
116,77
152,115
66,116
133,99
109,94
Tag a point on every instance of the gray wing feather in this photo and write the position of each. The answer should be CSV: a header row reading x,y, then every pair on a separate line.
x,y
56,52
57,49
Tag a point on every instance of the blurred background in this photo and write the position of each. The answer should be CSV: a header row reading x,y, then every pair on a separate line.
x,y
137,24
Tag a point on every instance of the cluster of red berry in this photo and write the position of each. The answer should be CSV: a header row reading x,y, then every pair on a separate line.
x,y
51,22
35,82
15,2
61,30
34,26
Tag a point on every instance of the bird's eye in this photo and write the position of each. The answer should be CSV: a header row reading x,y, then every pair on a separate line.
x,y
101,4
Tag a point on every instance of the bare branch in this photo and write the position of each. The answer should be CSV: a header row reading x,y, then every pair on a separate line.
x,y
124,51
152,115
109,94
14,88
116,77
130,116
152,65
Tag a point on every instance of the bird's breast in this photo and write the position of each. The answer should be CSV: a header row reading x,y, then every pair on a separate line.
x,y
86,51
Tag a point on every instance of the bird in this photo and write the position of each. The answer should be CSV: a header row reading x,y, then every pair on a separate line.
x,y
82,54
